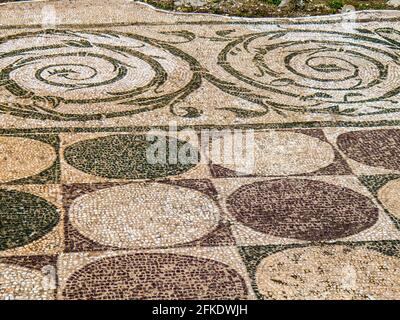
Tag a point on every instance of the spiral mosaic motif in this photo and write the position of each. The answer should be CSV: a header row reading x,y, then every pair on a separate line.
x,y
317,71
68,75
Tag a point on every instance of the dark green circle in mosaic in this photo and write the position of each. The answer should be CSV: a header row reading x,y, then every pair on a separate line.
x,y
155,276
123,157
24,218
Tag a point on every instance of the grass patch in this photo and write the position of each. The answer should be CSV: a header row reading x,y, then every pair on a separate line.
x,y
335,4
274,2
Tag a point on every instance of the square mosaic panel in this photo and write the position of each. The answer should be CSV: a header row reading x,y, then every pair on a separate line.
x,y
297,209
275,152
116,157
357,271
169,213
152,274
40,167
31,220
28,277
84,215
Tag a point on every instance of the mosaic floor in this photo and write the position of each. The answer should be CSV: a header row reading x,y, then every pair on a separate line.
x,y
84,216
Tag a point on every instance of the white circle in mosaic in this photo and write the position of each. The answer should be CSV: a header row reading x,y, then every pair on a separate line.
x,y
334,272
281,153
389,195
14,163
21,283
144,215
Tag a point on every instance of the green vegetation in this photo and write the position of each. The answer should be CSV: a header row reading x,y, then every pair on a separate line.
x,y
274,2
336,4
269,8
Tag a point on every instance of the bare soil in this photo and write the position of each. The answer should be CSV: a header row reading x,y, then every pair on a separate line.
x,y
269,8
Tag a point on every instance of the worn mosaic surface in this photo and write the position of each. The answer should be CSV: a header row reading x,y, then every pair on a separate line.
x,y
83,215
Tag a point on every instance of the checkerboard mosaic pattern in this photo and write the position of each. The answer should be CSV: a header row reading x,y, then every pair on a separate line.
x,y
84,216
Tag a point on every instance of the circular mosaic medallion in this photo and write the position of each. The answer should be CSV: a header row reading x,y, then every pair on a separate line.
x,y
22,284
389,195
14,164
283,153
24,218
377,148
144,215
302,209
80,76
123,157
155,276
334,272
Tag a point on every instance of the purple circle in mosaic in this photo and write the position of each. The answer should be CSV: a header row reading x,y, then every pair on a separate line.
x,y
377,148
155,276
302,209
